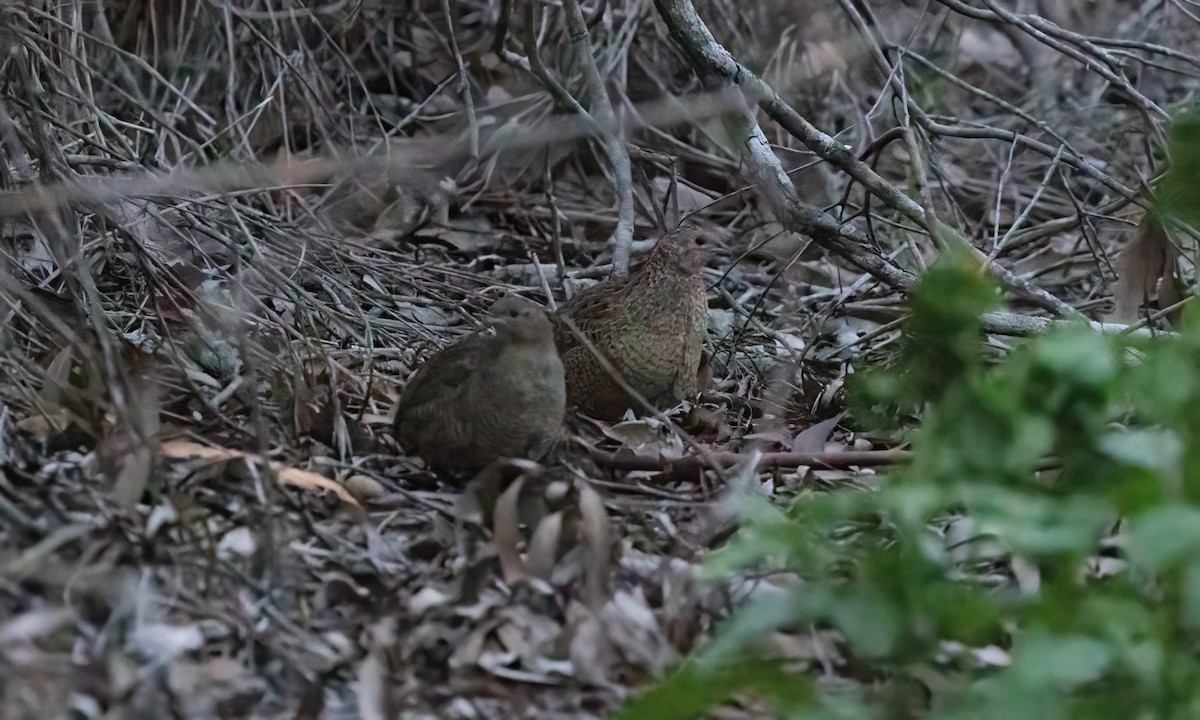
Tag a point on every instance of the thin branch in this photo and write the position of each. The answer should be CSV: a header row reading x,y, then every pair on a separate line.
x,y
614,143
692,463
464,81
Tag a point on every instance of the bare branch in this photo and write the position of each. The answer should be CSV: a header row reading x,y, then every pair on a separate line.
x,y
614,143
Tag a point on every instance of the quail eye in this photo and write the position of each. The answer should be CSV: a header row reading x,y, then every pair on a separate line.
x,y
513,313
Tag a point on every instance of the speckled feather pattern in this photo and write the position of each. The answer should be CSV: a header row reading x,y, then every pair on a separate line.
x,y
651,327
499,392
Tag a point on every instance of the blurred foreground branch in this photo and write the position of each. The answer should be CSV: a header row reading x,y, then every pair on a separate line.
x,y
225,176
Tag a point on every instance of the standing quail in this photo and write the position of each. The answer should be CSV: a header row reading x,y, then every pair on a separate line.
x,y
650,326
497,393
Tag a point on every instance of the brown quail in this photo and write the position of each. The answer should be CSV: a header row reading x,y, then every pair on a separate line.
x,y
497,393
650,326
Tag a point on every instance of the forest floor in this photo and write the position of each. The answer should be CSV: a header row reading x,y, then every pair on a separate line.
x,y
232,234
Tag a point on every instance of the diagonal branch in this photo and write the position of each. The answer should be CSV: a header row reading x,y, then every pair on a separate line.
x,y
717,68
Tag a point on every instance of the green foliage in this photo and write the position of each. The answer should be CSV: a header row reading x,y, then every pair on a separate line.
x,y
1179,183
1121,418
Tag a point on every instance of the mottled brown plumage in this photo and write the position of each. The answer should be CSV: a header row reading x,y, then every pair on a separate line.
x,y
650,326
499,392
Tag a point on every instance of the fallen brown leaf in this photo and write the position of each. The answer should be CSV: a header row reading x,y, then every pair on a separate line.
x,y
186,450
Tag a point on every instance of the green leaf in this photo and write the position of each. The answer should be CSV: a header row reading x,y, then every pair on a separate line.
x,y
1079,353
1158,449
1060,660
1034,525
869,621
1159,537
1178,190
1191,594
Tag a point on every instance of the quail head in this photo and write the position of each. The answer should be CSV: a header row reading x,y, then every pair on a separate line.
x,y
650,327
497,393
